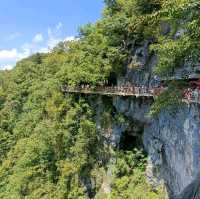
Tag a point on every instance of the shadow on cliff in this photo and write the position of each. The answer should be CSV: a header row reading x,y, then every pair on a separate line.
x,y
192,191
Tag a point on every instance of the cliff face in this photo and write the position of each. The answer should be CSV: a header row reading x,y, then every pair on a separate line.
x,y
171,141
192,191
172,138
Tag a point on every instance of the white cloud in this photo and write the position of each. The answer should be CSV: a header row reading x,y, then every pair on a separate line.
x,y
54,36
8,57
8,54
6,67
43,50
23,53
71,38
38,38
52,42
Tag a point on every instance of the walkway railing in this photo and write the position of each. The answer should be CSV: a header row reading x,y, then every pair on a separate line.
x,y
115,90
189,95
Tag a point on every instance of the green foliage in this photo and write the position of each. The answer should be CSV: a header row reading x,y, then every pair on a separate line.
x,y
104,47
130,181
174,50
120,119
148,6
50,146
171,54
169,100
48,142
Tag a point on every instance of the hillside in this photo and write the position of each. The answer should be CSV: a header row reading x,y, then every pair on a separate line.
x,y
75,146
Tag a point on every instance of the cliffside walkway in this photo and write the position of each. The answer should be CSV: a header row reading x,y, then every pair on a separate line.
x,y
189,95
115,91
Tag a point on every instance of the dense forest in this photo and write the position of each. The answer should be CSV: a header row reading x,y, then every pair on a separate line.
x,y
50,143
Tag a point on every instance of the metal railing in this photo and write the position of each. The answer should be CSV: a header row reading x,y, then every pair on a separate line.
x,y
115,90
189,95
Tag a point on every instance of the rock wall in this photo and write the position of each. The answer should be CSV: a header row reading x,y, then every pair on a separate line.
x,y
172,141
192,191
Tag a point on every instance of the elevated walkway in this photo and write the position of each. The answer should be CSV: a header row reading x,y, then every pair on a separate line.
x,y
115,91
189,95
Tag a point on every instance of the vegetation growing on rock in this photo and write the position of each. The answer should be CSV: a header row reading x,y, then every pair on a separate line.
x,y
50,146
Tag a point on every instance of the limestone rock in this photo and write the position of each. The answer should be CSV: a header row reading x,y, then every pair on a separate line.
x,y
192,191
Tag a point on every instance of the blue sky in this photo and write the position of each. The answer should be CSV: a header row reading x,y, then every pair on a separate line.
x,y
29,26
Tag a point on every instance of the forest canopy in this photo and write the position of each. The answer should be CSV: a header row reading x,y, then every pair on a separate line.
x,y
49,142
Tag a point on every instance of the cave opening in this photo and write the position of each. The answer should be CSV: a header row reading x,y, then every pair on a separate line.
x,y
130,140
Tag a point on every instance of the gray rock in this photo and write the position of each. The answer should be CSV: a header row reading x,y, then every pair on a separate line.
x,y
135,108
179,33
192,191
144,61
172,141
173,145
165,28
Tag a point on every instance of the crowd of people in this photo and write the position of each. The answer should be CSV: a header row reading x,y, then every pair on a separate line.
x,y
123,89
190,94
193,92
